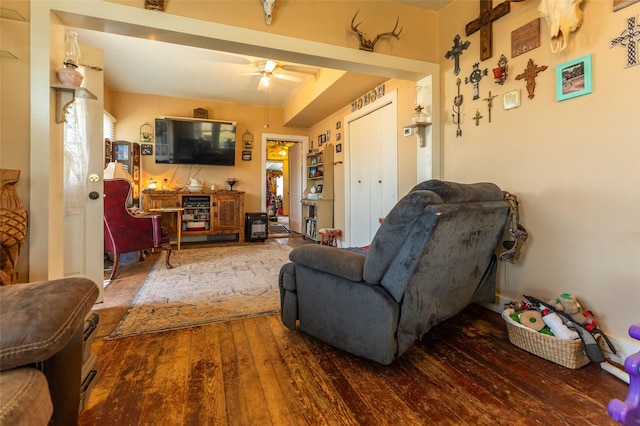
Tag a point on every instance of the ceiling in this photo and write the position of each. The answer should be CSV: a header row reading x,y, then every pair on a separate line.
x,y
139,65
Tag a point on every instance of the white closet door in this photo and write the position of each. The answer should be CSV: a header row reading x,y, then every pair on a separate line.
x,y
373,170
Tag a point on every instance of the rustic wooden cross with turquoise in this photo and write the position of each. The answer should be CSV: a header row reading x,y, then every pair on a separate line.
x,y
484,23
630,41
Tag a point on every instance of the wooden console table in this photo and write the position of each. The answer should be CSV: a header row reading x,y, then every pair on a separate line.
x,y
202,213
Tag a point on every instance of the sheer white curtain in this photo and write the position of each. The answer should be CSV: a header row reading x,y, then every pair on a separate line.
x,y
75,158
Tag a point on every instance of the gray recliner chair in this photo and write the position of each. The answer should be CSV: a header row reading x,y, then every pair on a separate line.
x,y
432,256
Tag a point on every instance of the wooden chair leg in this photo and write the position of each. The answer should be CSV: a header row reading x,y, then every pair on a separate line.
x,y
167,247
114,268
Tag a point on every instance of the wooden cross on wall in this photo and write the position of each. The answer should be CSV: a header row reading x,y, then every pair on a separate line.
x,y
484,23
529,75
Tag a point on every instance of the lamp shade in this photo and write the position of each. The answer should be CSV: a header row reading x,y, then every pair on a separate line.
x,y
116,170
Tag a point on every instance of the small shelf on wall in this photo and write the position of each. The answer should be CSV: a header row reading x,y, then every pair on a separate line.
x,y
65,95
420,127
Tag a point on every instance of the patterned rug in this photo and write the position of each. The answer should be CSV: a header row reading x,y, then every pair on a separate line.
x,y
206,285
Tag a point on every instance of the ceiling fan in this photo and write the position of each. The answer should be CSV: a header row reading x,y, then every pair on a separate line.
x,y
267,70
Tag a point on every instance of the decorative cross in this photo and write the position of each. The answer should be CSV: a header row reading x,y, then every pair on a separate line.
x,y
477,117
456,51
529,75
629,40
457,102
475,77
490,103
484,23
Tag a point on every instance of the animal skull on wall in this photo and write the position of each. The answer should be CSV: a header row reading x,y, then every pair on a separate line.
x,y
563,17
267,5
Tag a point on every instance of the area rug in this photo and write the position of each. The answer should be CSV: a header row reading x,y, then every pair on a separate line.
x,y
206,285
278,229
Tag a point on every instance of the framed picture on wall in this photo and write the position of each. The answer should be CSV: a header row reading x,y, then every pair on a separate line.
x,y
146,149
573,78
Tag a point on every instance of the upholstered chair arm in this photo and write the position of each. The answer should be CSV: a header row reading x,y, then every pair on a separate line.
x,y
335,261
38,319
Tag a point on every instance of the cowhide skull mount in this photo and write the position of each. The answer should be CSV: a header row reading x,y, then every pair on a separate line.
x,y
563,18
268,5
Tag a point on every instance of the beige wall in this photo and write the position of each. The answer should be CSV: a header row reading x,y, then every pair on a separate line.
x,y
132,110
574,165
324,21
14,114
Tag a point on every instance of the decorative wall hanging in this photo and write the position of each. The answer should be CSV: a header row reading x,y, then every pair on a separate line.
x,y
629,39
489,101
501,72
573,78
619,4
457,102
525,38
474,78
246,155
484,23
368,45
456,51
511,99
247,140
339,147
529,75
563,18
146,133
154,5
367,98
268,6
200,113
477,117
13,223
146,149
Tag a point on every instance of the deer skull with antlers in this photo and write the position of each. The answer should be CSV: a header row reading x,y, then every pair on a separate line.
x,y
368,45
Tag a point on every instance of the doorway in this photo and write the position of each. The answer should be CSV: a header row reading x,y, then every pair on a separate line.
x,y
283,152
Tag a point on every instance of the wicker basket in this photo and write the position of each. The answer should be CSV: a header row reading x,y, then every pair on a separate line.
x,y
568,353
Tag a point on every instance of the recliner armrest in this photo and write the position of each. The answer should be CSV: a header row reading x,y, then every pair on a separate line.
x,y
38,319
335,261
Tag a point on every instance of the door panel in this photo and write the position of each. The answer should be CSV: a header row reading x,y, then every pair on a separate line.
x,y
83,233
373,171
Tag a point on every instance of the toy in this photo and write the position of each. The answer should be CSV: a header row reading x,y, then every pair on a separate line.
x,y
554,322
628,412
568,304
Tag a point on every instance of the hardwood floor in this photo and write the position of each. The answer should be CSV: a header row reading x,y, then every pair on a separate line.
x,y
256,372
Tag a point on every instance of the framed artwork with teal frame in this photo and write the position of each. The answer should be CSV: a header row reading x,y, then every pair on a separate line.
x,y
573,78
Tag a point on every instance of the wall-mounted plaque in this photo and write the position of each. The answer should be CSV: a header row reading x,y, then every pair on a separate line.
x,y
525,38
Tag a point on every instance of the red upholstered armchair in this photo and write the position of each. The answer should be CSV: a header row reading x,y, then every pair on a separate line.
x,y
124,232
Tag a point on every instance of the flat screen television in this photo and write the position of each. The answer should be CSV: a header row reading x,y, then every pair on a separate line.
x,y
195,141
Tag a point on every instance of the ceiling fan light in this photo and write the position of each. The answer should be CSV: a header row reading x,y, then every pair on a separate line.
x,y
264,80
270,65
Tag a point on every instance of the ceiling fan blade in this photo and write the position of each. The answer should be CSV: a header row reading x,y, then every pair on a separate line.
x,y
288,77
247,73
